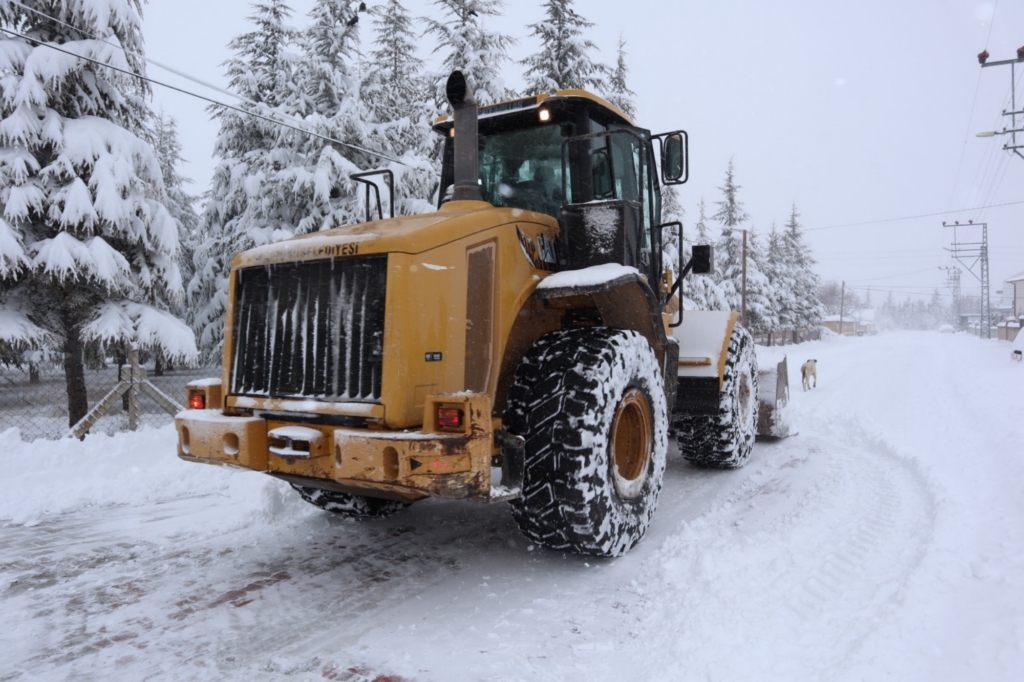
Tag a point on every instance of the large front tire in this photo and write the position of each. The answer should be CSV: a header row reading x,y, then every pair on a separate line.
x,y
591,405
350,506
725,440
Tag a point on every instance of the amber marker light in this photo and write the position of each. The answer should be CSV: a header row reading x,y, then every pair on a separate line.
x,y
197,402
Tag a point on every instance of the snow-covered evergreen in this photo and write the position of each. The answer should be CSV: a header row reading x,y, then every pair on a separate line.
x,y
400,96
244,207
618,92
807,310
729,259
163,135
395,87
701,292
315,177
782,277
468,45
762,306
87,247
563,61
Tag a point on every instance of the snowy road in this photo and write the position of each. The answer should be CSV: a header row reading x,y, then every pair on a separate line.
x,y
884,541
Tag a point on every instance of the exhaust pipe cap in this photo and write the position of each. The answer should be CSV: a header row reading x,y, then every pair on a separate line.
x,y
456,89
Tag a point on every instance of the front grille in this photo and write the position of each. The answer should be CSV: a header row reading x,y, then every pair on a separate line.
x,y
310,330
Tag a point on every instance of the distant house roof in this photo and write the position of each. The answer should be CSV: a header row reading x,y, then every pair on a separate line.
x,y
835,318
1017,278
867,315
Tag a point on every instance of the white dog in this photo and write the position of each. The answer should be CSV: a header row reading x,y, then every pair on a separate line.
x,y
809,370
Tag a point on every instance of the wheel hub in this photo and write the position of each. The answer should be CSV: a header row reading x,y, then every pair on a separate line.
x,y
632,441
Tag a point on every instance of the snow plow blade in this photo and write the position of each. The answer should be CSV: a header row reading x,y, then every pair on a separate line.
x,y
773,396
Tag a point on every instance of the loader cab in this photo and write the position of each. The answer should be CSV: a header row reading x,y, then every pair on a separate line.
x,y
575,157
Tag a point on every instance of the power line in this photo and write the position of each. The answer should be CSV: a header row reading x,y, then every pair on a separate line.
x,y
171,69
974,102
905,274
912,217
128,72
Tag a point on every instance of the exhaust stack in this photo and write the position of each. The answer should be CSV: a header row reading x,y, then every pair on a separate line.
x,y
467,164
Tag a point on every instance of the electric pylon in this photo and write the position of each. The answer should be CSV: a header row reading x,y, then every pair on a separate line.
x,y
975,255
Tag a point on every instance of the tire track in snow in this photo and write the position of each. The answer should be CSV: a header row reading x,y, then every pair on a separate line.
x,y
800,563
108,588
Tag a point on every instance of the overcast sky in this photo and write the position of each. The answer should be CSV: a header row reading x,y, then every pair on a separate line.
x,y
856,111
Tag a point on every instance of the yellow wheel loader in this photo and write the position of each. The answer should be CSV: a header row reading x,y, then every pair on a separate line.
x,y
520,344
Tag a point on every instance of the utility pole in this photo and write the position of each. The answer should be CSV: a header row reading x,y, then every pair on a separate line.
x,y
1011,145
953,284
971,255
743,304
842,305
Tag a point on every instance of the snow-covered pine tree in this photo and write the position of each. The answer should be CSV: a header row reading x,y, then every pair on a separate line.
x,y
468,46
316,176
394,86
400,96
87,248
618,92
762,308
163,135
782,278
702,291
563,61
244,207
702,233
729,245
807,308
729,256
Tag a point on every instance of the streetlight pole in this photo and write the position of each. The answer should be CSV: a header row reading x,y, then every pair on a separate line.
x,y
743,299
842,305
1011,145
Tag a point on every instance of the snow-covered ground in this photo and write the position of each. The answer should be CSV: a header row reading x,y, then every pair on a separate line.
x,y
884,541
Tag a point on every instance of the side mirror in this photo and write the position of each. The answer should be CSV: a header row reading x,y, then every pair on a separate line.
x,y
674,157
703,259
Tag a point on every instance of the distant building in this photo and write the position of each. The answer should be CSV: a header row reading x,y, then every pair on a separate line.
x,y
866,322
849,323
1017,282
1014,318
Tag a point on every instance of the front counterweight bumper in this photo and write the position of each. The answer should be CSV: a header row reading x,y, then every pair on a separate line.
x,y
406,465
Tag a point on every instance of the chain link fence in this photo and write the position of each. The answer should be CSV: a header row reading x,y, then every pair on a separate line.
x,y
34,399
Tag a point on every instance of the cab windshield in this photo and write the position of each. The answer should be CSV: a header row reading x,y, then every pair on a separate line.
x,y
523,169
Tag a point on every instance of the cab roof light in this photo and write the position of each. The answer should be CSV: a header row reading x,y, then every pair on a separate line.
x,y
545,115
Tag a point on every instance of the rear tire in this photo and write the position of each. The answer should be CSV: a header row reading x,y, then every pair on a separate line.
x,y
725,440
350,506
590,404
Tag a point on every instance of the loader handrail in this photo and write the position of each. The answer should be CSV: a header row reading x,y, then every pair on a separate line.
x,y
678,284
389,179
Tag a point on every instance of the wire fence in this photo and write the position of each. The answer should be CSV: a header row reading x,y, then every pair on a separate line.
x,y
34,398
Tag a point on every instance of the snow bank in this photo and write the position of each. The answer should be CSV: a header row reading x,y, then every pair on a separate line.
x,y
768,357
53,477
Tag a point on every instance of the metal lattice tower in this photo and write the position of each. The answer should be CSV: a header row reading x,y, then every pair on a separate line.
x,y
974,255
953,284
